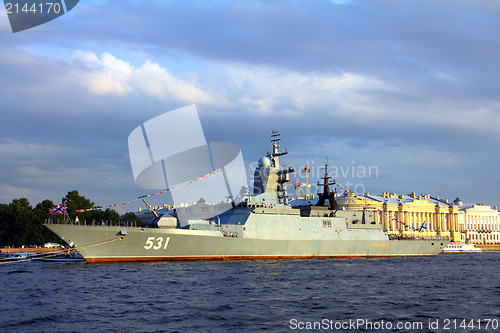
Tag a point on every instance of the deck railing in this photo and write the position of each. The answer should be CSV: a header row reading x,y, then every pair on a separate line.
x,y
93,223
414,237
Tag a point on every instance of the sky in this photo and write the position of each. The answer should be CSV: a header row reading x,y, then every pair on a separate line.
x,y
396,96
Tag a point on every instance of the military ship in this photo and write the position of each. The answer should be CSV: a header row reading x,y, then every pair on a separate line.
x,y
261,226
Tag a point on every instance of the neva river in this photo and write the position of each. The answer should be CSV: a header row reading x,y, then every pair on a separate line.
x,y
447,293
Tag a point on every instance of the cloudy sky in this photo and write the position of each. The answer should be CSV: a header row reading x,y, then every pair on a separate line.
x,y
399,96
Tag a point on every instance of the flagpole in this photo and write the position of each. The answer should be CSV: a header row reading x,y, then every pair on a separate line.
x,y
66,215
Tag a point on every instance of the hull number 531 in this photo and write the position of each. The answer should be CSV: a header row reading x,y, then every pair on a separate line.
x,y
156,243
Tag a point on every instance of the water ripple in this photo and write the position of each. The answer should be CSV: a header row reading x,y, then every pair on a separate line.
x,y
246,296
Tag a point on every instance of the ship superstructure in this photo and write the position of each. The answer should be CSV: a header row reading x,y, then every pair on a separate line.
x,y
261,226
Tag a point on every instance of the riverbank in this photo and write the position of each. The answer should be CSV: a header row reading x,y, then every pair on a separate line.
x,y
489,247
31,250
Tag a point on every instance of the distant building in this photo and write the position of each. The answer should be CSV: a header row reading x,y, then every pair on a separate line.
x,y
412,214
478,224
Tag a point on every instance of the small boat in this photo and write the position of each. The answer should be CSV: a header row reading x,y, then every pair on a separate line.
x,y
16,257
461,248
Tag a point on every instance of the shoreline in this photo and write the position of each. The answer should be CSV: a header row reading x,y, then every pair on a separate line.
x,y
489,247
32,249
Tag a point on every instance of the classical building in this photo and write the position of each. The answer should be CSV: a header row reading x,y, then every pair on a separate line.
x,y
478,224
412,214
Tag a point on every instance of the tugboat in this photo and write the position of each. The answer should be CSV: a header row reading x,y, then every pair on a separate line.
x,y
261,226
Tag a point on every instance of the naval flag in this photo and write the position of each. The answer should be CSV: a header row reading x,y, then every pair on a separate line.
x,y
423,226
59,209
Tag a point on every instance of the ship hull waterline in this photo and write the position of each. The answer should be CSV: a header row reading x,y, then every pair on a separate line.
x,y
107,244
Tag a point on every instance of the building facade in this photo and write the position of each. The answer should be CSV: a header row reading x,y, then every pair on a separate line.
x,y
478,224
420,215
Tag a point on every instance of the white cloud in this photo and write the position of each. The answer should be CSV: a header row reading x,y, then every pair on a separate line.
x,y
262,106
109,75
254,90
268,91
357,98
249,89
154,80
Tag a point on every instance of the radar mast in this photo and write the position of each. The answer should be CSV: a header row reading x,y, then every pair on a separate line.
x,y
275,140
327,194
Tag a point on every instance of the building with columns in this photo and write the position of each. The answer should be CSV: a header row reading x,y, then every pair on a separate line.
x,y
478,224
419,215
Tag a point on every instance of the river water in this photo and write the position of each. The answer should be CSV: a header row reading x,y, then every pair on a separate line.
x,y
447,293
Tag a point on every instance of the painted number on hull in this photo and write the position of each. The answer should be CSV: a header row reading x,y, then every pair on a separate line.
x,y
156,243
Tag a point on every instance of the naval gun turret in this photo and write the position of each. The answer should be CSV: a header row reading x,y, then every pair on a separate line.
x,y
160,220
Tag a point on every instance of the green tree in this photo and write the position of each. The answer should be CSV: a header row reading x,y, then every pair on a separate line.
x,y
75,202
41,210
112,216
130,217
23,230
5,224
21,224
98,216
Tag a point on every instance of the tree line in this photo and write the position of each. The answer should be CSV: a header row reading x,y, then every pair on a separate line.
x,y
22,224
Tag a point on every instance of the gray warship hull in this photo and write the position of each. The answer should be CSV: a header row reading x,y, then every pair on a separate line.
x,y
262,226
312,238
